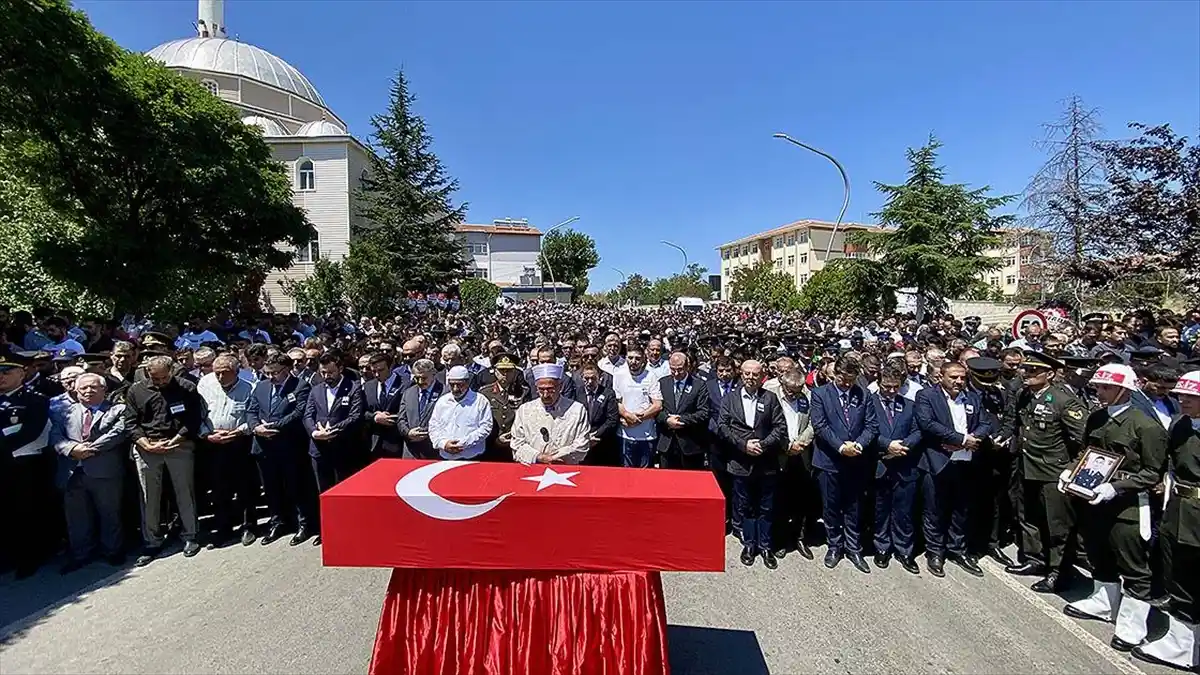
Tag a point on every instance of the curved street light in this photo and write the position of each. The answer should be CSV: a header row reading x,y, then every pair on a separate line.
x,y
546,261
679,248
845,185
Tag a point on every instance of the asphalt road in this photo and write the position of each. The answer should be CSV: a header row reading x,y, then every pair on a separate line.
x,y
276,610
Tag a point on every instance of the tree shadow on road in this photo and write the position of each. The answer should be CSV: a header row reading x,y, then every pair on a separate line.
x,y
696,650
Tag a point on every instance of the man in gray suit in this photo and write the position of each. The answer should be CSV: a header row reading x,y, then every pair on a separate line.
x,y
90,440
416,408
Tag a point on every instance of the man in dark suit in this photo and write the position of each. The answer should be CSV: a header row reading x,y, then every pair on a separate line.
x,y
683,420
952,428
843,419
416,409
719,386
274,416
603,417
896,452
591,355
546,355
334,411
382,393
752,422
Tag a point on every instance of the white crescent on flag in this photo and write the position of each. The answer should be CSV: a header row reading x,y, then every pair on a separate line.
x,y
413,488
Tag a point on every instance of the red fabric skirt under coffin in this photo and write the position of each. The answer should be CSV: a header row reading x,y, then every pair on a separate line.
x,y
468,622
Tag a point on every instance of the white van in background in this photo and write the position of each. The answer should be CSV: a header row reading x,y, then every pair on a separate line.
x,y
689,304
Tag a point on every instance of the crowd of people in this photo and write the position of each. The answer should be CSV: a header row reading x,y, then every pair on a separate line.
x,y
878,436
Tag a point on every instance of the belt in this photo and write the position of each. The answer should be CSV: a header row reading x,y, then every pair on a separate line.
x,y
1186,491
1122,475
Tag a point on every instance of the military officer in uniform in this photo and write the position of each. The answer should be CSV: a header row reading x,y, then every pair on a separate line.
x,y
1077,370
1046,422
24,490
1116,521
994,510
505,393
1179,536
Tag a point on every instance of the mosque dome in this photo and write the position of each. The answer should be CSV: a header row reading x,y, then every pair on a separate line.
x,y
230,57
269,126
320,128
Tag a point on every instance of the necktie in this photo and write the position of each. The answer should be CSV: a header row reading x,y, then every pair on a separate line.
x,y
890,408
87,423
678,391
591,398
421,404
725,389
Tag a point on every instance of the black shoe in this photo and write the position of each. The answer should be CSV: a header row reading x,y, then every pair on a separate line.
x,y
1050,584
859,562
780,553
116,559
832,557
803,549
273,533
248,536
218,541
1027,569
747,556
882,560
769,560
936,565
299,538
967,563
73,565
317,540
190,549
1121,645
909,565
728,528
147,556
995,553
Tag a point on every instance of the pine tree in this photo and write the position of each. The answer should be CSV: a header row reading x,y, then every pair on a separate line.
x,y
407,205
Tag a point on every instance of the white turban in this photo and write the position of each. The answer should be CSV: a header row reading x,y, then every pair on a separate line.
x,y
458,374
544,371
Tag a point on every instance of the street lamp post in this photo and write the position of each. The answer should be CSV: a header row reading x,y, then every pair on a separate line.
x,y
679,248
845,185
546,261
624,281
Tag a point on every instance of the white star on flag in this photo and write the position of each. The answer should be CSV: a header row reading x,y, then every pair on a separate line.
x,y
551,477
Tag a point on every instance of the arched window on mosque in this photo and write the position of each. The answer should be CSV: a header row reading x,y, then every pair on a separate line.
x,y
306,177
210,85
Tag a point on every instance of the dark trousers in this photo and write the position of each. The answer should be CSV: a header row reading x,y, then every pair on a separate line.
x,y
797,502
22,541
992,510
1046,524
636,454
725,482
329,469
1115,549
674,459
233,480
840,494
1180,562
947,506
754,502
288,485
93,511
895,501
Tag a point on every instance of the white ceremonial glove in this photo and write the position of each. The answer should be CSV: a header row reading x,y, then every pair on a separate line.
x,y
1104,492
1062,481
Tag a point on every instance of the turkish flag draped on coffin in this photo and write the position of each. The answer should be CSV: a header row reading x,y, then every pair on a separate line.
x,y
486,515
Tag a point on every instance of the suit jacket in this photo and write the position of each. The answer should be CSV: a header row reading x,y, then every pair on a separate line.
x,y
896,425
770,428
107,436
603,420
831,428
345,416
568,385
383,399
284,412
412,417
720,450
692,406
1142,402
937,426
606,382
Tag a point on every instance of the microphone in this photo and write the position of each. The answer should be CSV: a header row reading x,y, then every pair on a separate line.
x,y
545,435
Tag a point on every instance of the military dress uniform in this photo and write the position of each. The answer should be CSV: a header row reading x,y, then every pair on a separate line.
x,y
993,509
1048,427
504,402
1115,532
25,489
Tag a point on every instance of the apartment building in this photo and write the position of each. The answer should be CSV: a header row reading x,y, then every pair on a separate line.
x,y
799,250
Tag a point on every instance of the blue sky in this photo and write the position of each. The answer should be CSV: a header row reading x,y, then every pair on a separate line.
x,y
653,121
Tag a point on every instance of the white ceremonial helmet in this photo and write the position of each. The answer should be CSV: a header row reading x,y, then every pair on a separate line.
x,y
1117,375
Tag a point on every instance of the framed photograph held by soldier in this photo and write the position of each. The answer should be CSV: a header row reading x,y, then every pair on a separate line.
x,y
1094,468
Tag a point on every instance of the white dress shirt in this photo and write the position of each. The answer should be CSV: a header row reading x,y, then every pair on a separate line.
x,y
750,407
468,421
224,408
637,394
958,413
331,394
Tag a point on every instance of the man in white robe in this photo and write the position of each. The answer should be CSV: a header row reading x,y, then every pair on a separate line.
x,y
551,429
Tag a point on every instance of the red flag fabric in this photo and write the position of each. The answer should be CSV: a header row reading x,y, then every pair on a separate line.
x,y
463,622
489,515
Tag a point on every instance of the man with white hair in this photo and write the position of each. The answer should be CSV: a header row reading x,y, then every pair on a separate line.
x,y
462,419
226,450
552,429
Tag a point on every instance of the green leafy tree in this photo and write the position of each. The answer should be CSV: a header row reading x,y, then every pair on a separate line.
x,y
478,296
372,285
322,292
169,188
846,285
634,290
763,286
936,233
690,283
407,199
567,256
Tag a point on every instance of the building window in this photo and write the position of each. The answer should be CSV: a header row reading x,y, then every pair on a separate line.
x,y
1010,280
803,258
778,262
791,261
995,281
1027,240
1010,261
754,249
802,238
778,242
306,177
724,254
309,253
210,85
791,240
803,279
477,248
479,273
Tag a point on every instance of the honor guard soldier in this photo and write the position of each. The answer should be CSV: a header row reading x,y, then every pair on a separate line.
x,y
994,511
1179,536
24,484
1077,370
505,393
1116,522
1047,424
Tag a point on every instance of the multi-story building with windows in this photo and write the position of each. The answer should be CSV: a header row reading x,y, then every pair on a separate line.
x,y
798,249
507,252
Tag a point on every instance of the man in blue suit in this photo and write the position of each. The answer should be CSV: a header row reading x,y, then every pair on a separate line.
x,y
953,427
334,411
273,415
896,451
843,419
719,451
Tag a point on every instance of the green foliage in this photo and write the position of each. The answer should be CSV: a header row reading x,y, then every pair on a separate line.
x,y
322,292
937,233
407,199
371,284
691,283
478,296
603,299
169,189
763,286
634,290
846,286
567,256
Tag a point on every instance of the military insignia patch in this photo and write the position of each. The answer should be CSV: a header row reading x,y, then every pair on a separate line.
x,y
1075,414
